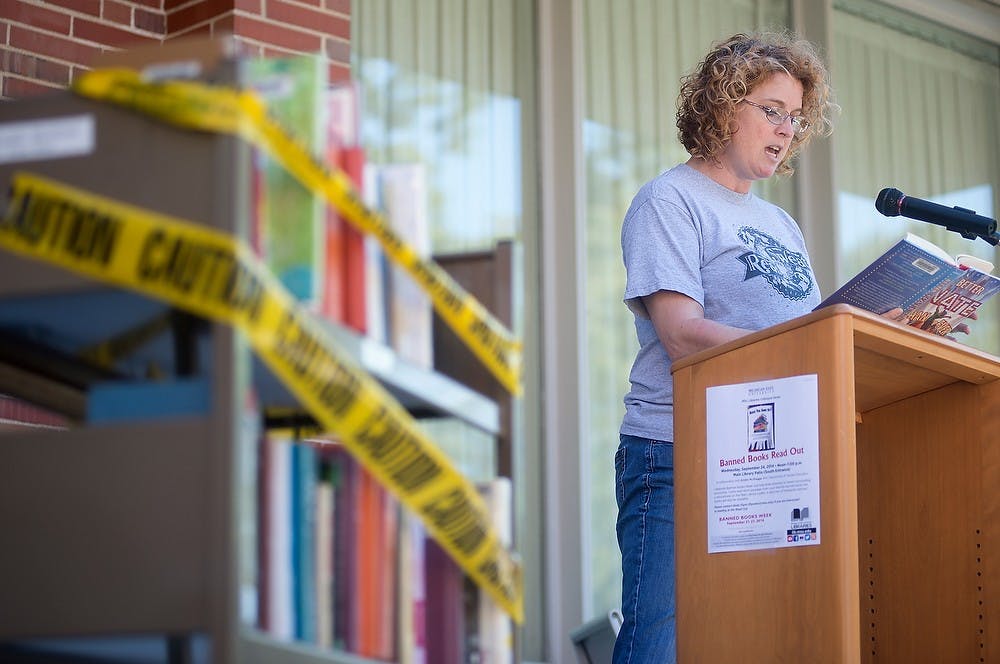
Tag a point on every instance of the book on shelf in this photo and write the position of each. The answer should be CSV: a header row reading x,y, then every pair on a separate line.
x,y
342,565
935,291
323,557
403,196
289,218
411,611
449,623
275,614
375,535
345,291
249,439
19,414
344,472
304,480
496,629
376,266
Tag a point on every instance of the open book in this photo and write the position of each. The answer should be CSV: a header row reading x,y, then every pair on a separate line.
x,y
935,291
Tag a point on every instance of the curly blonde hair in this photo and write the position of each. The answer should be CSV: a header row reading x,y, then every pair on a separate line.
x,y
706,105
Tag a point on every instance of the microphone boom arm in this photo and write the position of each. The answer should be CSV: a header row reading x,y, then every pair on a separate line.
x,y
965,222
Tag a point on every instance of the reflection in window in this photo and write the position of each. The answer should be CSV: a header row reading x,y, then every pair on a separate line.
x,y
634,55
920,104
440,86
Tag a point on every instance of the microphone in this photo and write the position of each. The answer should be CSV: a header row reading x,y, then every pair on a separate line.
x,y
893,202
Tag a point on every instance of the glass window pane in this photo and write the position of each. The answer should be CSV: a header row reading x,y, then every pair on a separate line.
x,y
442,86
635,54
920,106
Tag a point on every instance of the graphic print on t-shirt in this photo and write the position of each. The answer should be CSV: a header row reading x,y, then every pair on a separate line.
x,y
787,271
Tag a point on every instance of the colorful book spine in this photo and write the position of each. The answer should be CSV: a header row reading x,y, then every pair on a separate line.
x,y
403,190
345,293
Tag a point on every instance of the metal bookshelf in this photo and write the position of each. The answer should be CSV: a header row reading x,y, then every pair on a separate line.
x,y
132,526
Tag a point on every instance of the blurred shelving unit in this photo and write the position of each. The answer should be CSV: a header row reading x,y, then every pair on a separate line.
x,y
127,522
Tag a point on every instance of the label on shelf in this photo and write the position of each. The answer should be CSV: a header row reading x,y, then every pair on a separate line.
x,y
48,138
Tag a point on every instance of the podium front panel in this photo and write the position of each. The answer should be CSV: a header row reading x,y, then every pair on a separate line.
x,y
907,567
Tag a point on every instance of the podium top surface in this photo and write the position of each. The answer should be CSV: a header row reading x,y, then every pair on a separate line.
x,y
891,361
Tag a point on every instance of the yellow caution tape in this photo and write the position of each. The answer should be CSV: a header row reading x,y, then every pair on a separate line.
x,y
242,113
213,275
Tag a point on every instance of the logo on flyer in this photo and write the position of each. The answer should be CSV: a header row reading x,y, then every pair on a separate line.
x,y
800,528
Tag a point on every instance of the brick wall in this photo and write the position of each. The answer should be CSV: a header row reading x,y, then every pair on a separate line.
x,y
43,45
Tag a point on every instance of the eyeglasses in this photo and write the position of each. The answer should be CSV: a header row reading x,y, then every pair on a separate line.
x,y
777,117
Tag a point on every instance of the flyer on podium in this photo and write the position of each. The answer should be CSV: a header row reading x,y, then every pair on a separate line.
x,y
763,465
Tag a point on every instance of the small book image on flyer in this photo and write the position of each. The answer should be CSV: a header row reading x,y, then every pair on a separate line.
x,y
760,427
935,291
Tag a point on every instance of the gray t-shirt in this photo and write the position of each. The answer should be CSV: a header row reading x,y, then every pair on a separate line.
x,y
742,258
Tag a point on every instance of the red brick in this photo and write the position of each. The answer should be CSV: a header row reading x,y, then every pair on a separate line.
x,y
32,66
314,3
92,7
152,4
277,35
339,73
340,6
172,5
117,12
155,22
223,25
270,52
27,39
309,19
199,12
254,7
53,72
338,50
19,88
106,34
204,30
36,16
15,62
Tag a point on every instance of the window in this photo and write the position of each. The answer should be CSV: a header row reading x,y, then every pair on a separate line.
x,y
920,104
635,54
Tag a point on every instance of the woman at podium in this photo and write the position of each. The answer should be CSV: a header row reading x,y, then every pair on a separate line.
x,y
706,261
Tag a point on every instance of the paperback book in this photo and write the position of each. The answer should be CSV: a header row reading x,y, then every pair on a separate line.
x,y
935,291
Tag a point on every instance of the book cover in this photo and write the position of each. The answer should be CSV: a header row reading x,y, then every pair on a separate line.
x,y
344,474
375,266
446,616
389,577
16,414
250,440
292,220
935,291
304,474
496,630
403,189
376,533
357,290
324,555
411,608
344,291
276,612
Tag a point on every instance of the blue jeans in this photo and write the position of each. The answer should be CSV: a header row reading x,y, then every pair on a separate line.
x,y
644,490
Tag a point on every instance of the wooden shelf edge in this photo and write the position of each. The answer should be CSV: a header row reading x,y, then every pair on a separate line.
x,y
256,647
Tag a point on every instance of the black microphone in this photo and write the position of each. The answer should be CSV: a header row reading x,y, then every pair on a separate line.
x,y
893,202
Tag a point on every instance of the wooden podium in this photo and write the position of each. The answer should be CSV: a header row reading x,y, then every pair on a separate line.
x,y
908,568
